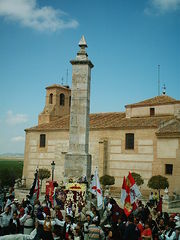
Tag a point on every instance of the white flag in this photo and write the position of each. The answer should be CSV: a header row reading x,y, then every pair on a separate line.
x,y
124,191
95,189
134,190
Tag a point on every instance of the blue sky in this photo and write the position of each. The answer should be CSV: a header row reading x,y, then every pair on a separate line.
x,y
126,41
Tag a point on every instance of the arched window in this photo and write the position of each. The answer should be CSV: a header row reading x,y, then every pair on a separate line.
x,y
51,98
62,99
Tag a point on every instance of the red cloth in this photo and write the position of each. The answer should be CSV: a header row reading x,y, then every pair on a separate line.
x,y
141,229
116,212
59,215
46,210
147,232
127,206
159,205
21,212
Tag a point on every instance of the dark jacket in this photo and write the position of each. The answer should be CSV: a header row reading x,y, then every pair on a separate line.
x,y
131,232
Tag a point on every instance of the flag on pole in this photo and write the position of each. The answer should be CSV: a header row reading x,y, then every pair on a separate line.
x,y
124,191
34,191
134,190
95,189
125,198
127,206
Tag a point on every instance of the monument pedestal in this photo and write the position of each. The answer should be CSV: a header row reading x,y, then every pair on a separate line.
x,y
77,165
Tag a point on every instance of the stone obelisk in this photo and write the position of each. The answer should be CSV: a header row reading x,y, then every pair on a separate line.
x,y
78,159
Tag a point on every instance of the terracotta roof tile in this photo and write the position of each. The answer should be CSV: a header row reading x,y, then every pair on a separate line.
x,y
106,121
158,100
58,86
170,127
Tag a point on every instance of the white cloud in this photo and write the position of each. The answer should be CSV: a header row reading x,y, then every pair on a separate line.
x,y
162,6
13,119
18,139
28,14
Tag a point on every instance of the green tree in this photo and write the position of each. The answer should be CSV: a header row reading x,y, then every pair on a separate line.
x,y
138,179
158,182
107,180
9,172
44,173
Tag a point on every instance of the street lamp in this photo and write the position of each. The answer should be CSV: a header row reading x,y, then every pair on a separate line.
x,y
53,167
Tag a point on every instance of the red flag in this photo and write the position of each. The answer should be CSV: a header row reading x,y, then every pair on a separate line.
x,y
127,206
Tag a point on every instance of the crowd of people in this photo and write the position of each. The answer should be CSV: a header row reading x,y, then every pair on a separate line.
x,y
79,219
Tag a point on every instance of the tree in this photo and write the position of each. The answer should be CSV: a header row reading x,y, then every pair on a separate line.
x,y
158,182
107,180
138,179
44,173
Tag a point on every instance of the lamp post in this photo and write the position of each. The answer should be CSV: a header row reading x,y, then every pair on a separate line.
x,y
53,167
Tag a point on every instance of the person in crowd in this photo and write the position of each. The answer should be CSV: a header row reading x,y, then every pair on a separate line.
x,y
177,229
131,230
161,226
169,233
151,198
14,224
108,232
5,219
86,225
28,221
78,234
139,225
154,227
96,214
47,202
156,198
74,220
147,233
118,229
95,231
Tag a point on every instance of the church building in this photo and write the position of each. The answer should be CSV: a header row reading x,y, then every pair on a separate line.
x,y
144,139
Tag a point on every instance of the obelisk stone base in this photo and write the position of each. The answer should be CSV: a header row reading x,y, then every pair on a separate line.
x,y
77,165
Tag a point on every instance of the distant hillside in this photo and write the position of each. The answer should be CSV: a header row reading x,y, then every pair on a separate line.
x,y
12,156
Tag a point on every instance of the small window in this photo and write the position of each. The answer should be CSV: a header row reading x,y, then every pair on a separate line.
x,y
152,111
51,98
42,140
169,169
129,140
62,99
69,101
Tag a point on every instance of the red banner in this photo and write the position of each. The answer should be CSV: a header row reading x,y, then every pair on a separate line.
x,y
50,190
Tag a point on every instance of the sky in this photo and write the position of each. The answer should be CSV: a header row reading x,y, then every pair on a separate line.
x,y
127,40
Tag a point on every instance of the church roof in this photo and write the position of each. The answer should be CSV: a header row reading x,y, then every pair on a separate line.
x,y
158,100
114,120
58,86
169,128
